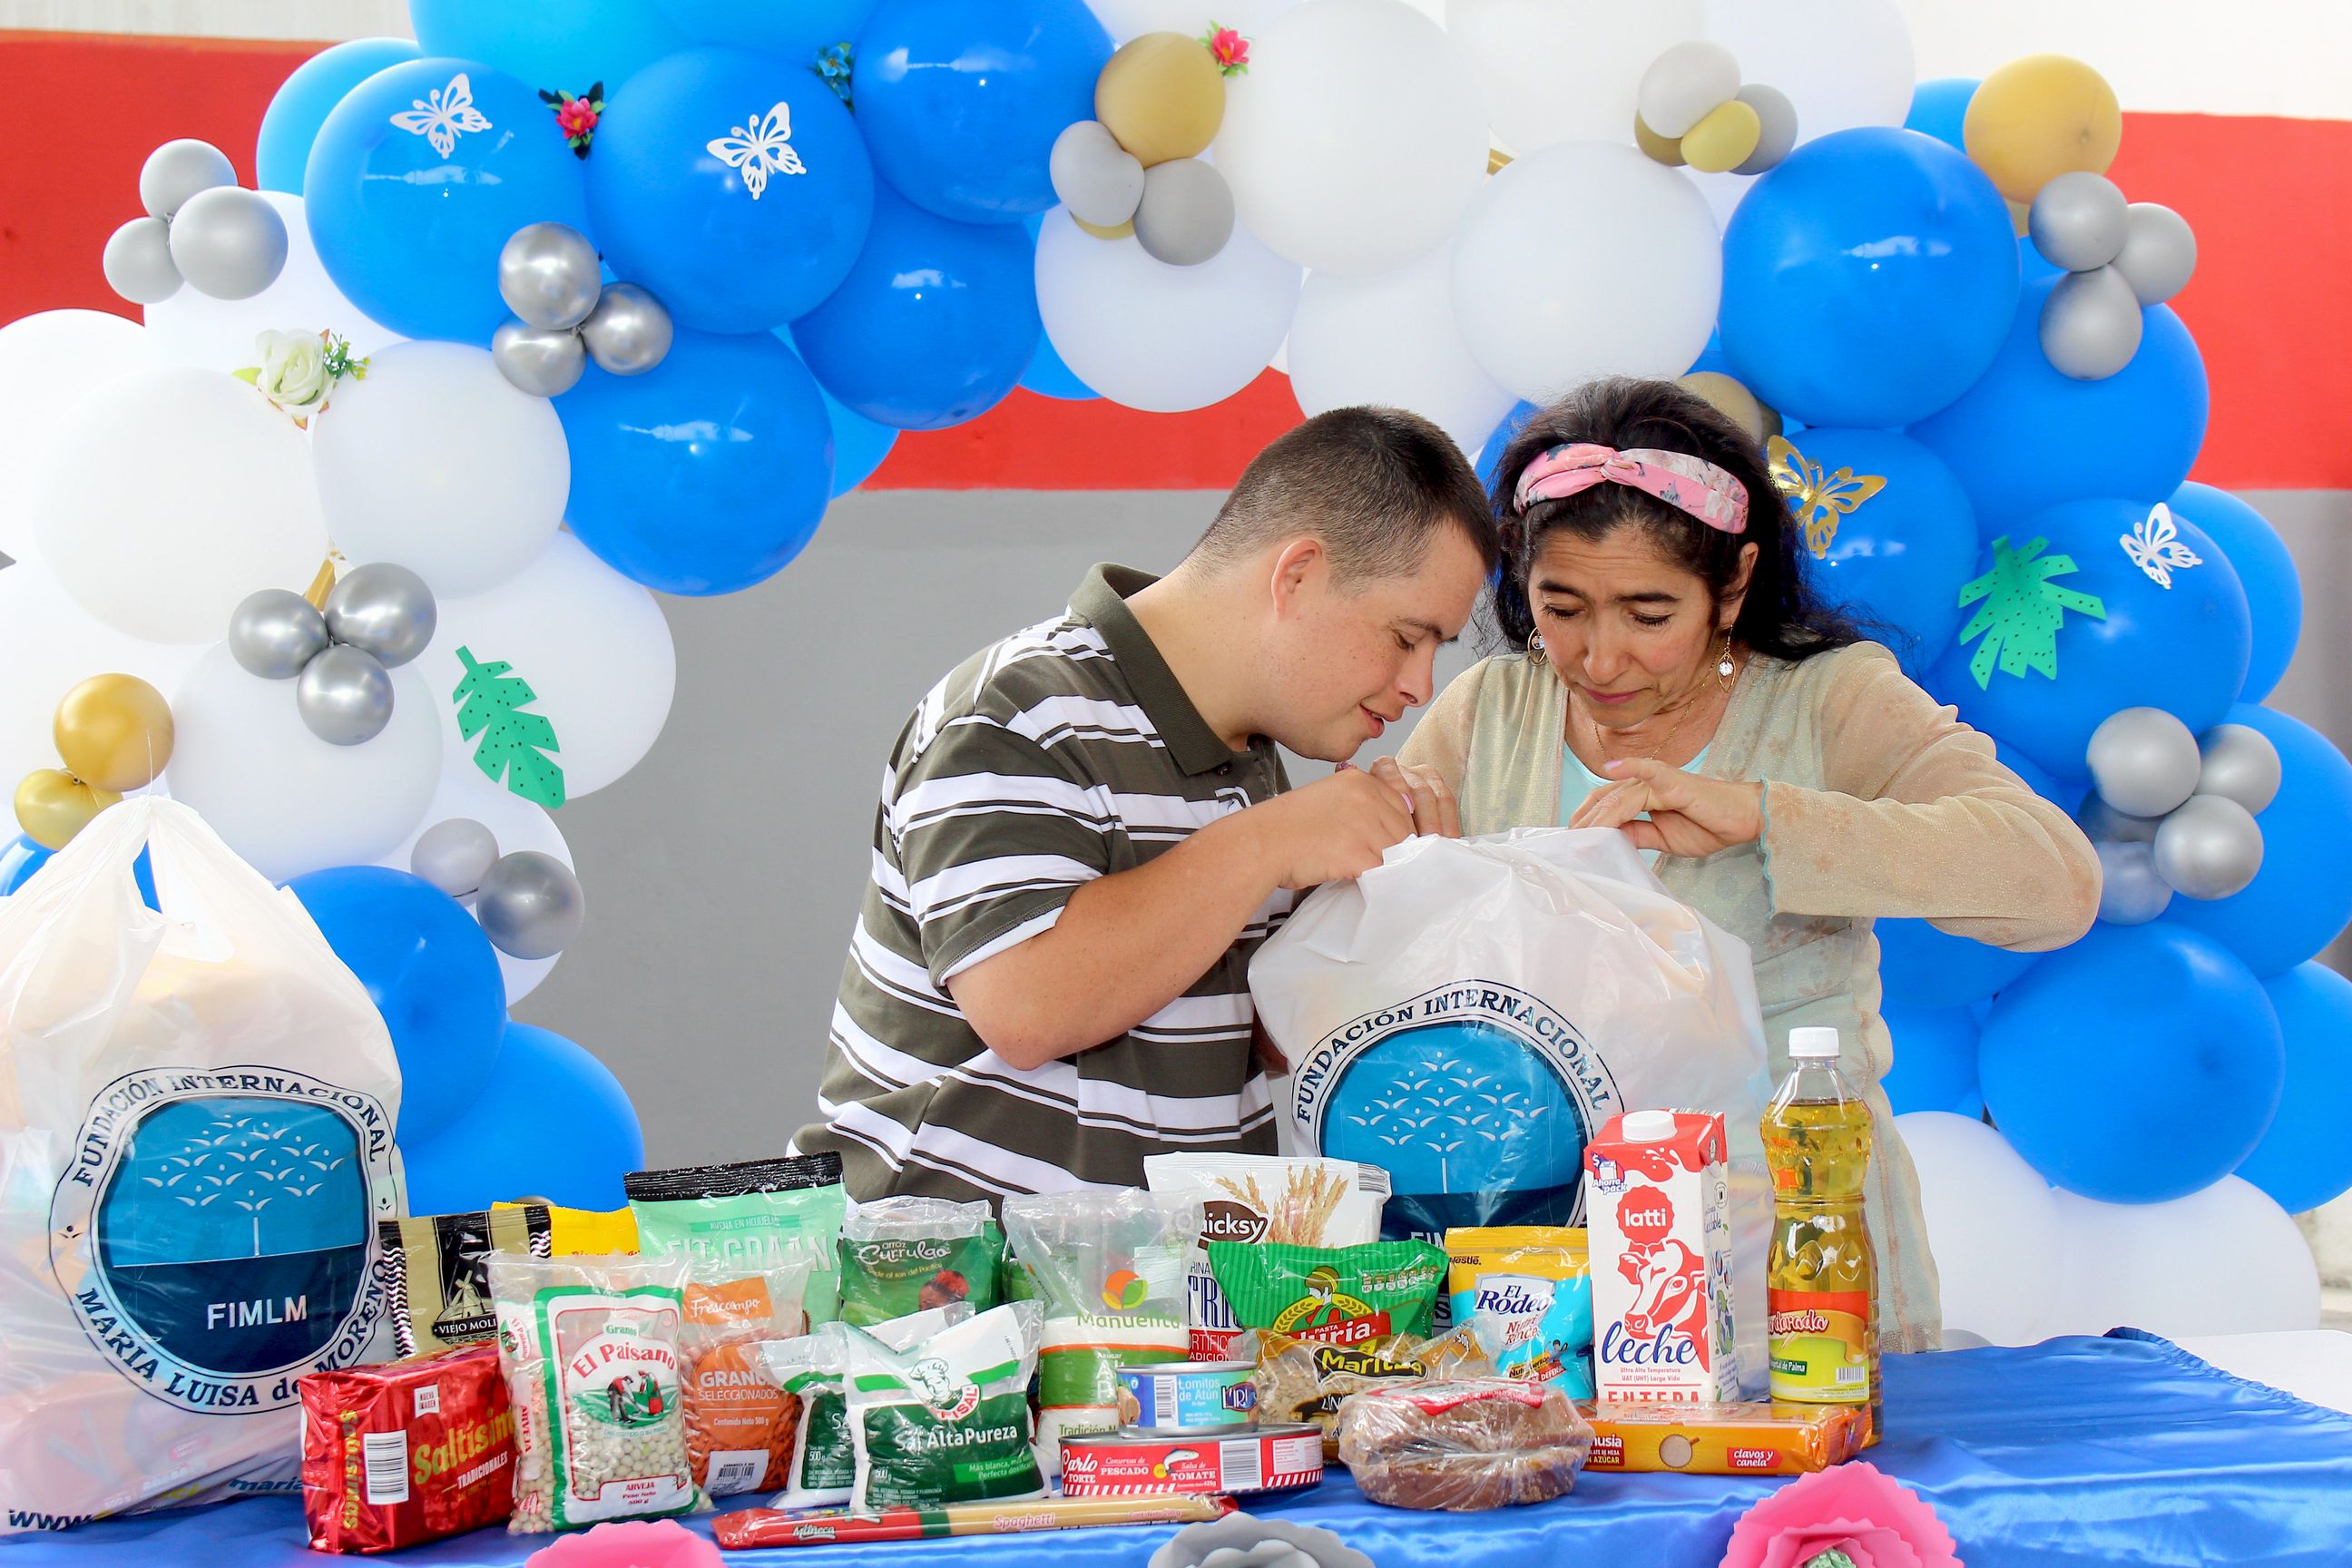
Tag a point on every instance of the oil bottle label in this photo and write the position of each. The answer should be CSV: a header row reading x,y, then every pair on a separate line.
x,y
1819,1345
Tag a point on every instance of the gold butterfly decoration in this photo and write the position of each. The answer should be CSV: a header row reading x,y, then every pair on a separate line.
x,y
1816,500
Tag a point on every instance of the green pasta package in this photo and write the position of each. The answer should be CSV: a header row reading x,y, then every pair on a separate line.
x,y
1334,1295
757,1216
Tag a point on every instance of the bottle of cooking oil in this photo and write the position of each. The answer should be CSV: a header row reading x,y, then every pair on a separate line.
x,y
1821,1288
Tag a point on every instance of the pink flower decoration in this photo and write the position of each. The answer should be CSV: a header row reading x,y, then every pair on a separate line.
x,y
577,117
634,1543
1855,1510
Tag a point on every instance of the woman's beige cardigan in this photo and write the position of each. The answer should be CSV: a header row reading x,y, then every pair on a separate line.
x,y
1878,802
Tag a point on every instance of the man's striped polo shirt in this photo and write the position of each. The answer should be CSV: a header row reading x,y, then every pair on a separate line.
x,y
1064,753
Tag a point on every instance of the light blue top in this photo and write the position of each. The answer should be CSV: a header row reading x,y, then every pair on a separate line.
x,y
1577,781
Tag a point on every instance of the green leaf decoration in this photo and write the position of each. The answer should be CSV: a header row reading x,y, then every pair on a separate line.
x,y
1832,1558
514,743
2023,611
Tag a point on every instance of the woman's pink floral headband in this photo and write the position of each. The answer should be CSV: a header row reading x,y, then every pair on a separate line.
x,y
1690,484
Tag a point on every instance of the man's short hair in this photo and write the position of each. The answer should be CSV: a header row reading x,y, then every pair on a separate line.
x,y
1374,485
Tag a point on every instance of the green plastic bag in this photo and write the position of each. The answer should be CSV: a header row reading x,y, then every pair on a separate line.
x,y
758,1215
1337,1295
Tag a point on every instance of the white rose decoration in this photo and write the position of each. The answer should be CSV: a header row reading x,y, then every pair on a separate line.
x,y
293,373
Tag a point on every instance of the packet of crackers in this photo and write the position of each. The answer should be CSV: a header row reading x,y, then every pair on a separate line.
x,y
1731,1439
1252,1198
404,1452
1302,1380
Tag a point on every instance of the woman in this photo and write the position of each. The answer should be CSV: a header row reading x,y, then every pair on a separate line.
x,y
1669,673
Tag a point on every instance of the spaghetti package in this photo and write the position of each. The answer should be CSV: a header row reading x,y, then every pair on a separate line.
x,y
946,1420
761,1213
1251,1198
1534,1284
437,1271
901,1256
740,1427
407,1451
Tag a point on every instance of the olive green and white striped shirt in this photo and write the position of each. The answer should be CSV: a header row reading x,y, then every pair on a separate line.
x,y
1064,753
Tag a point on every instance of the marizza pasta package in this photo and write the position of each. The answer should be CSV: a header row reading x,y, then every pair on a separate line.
x,y
947,1419
1247,1199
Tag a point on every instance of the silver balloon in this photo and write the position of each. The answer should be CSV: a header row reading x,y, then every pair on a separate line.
x,y
344,696
2160,252
549,275
2091,324
2130,892
2240,764
229,243
137,261
2077,221
530,905
1187,213
177,171
2103,823
2209,848
382,609
539,360
628,331
274,633
455,855
2144,761
1098,179
1777,118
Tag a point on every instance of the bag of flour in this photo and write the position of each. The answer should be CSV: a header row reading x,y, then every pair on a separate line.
x,y
1469,1013
196,1115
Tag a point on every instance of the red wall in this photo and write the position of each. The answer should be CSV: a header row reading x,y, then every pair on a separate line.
x,y
2271,201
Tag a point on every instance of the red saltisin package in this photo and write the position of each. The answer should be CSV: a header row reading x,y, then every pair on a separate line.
x,y
407,1451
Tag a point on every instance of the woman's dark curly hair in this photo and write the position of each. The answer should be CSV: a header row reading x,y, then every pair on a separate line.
x,y
1781,615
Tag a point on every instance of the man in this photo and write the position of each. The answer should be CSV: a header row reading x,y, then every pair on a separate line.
x,y
1085,831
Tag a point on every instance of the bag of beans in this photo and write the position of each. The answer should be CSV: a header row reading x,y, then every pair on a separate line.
x,y
740,1427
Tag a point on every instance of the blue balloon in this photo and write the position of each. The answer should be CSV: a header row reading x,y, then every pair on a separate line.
x,y
733,185
2035,268
2302,897
1935,1058
551,1121
419,177
1940,107
1923,968
429,971
304,101
2025,437
2266,571
795,32
859,444
706,474
1899,556
961,103
2141,1064
1868,280
2181,648
572,45
2304,1160
20,857
935,324
1490,456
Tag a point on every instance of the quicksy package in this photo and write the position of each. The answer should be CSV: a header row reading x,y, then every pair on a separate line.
x,y
1250,1198
901,1256
758,1215
946,1420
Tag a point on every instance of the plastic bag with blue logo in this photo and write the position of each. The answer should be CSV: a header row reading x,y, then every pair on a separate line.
x,y
196,1143
1469,1013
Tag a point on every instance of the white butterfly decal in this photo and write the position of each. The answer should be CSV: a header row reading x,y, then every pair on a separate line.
x,y
760,149
2154,545
441,114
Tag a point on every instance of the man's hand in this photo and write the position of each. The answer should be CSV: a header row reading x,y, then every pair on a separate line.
x,y
1434,812
1332,830
1689,815
1270,1059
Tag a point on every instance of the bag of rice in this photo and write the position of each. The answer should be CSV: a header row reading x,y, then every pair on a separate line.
x,y
740,1427
761,1213
1110,1268
946,1420
589,1347
437,1271
1346,1295
823,1471
1250,1198
901,1256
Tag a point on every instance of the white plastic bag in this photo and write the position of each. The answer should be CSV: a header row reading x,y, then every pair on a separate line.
x,y
1469,1013
197,1113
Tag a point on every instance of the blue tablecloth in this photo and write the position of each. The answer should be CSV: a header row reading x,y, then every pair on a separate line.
x,y
2113,1451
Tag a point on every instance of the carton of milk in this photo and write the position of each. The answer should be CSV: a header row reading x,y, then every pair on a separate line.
x,y
1657,1200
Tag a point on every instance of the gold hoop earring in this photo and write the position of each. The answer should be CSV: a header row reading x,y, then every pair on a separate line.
x,y
1725,669
1535,647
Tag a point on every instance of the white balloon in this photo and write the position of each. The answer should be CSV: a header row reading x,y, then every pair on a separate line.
x,y
590,643
1517,49
438,463
1124,19
514,822
1392,339
48,646
2227,1260
168,495
1992,1224
193,328
1842,63
1160,338
1357,139
281,797
1586,259
48,362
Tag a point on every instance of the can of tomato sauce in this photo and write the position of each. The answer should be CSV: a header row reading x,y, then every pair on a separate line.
x,y
1197,1461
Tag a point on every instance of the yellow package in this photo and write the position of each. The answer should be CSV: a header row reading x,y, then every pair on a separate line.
x,y
1527,1290
573,1233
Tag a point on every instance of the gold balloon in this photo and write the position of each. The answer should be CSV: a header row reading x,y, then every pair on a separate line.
x,y
2020,216
1724,140
1161,97
2041,117
1666,149
114,732
1733,400
1497,160
52,806
1121,232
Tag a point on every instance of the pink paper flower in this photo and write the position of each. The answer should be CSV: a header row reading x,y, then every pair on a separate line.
x,y
1854,1509
634,1543
1228,49
577,117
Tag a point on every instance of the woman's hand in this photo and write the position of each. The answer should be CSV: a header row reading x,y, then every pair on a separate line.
x,y
1689,815
1434,811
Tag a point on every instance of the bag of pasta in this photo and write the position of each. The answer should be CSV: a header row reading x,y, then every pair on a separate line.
x,y
1301,1380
